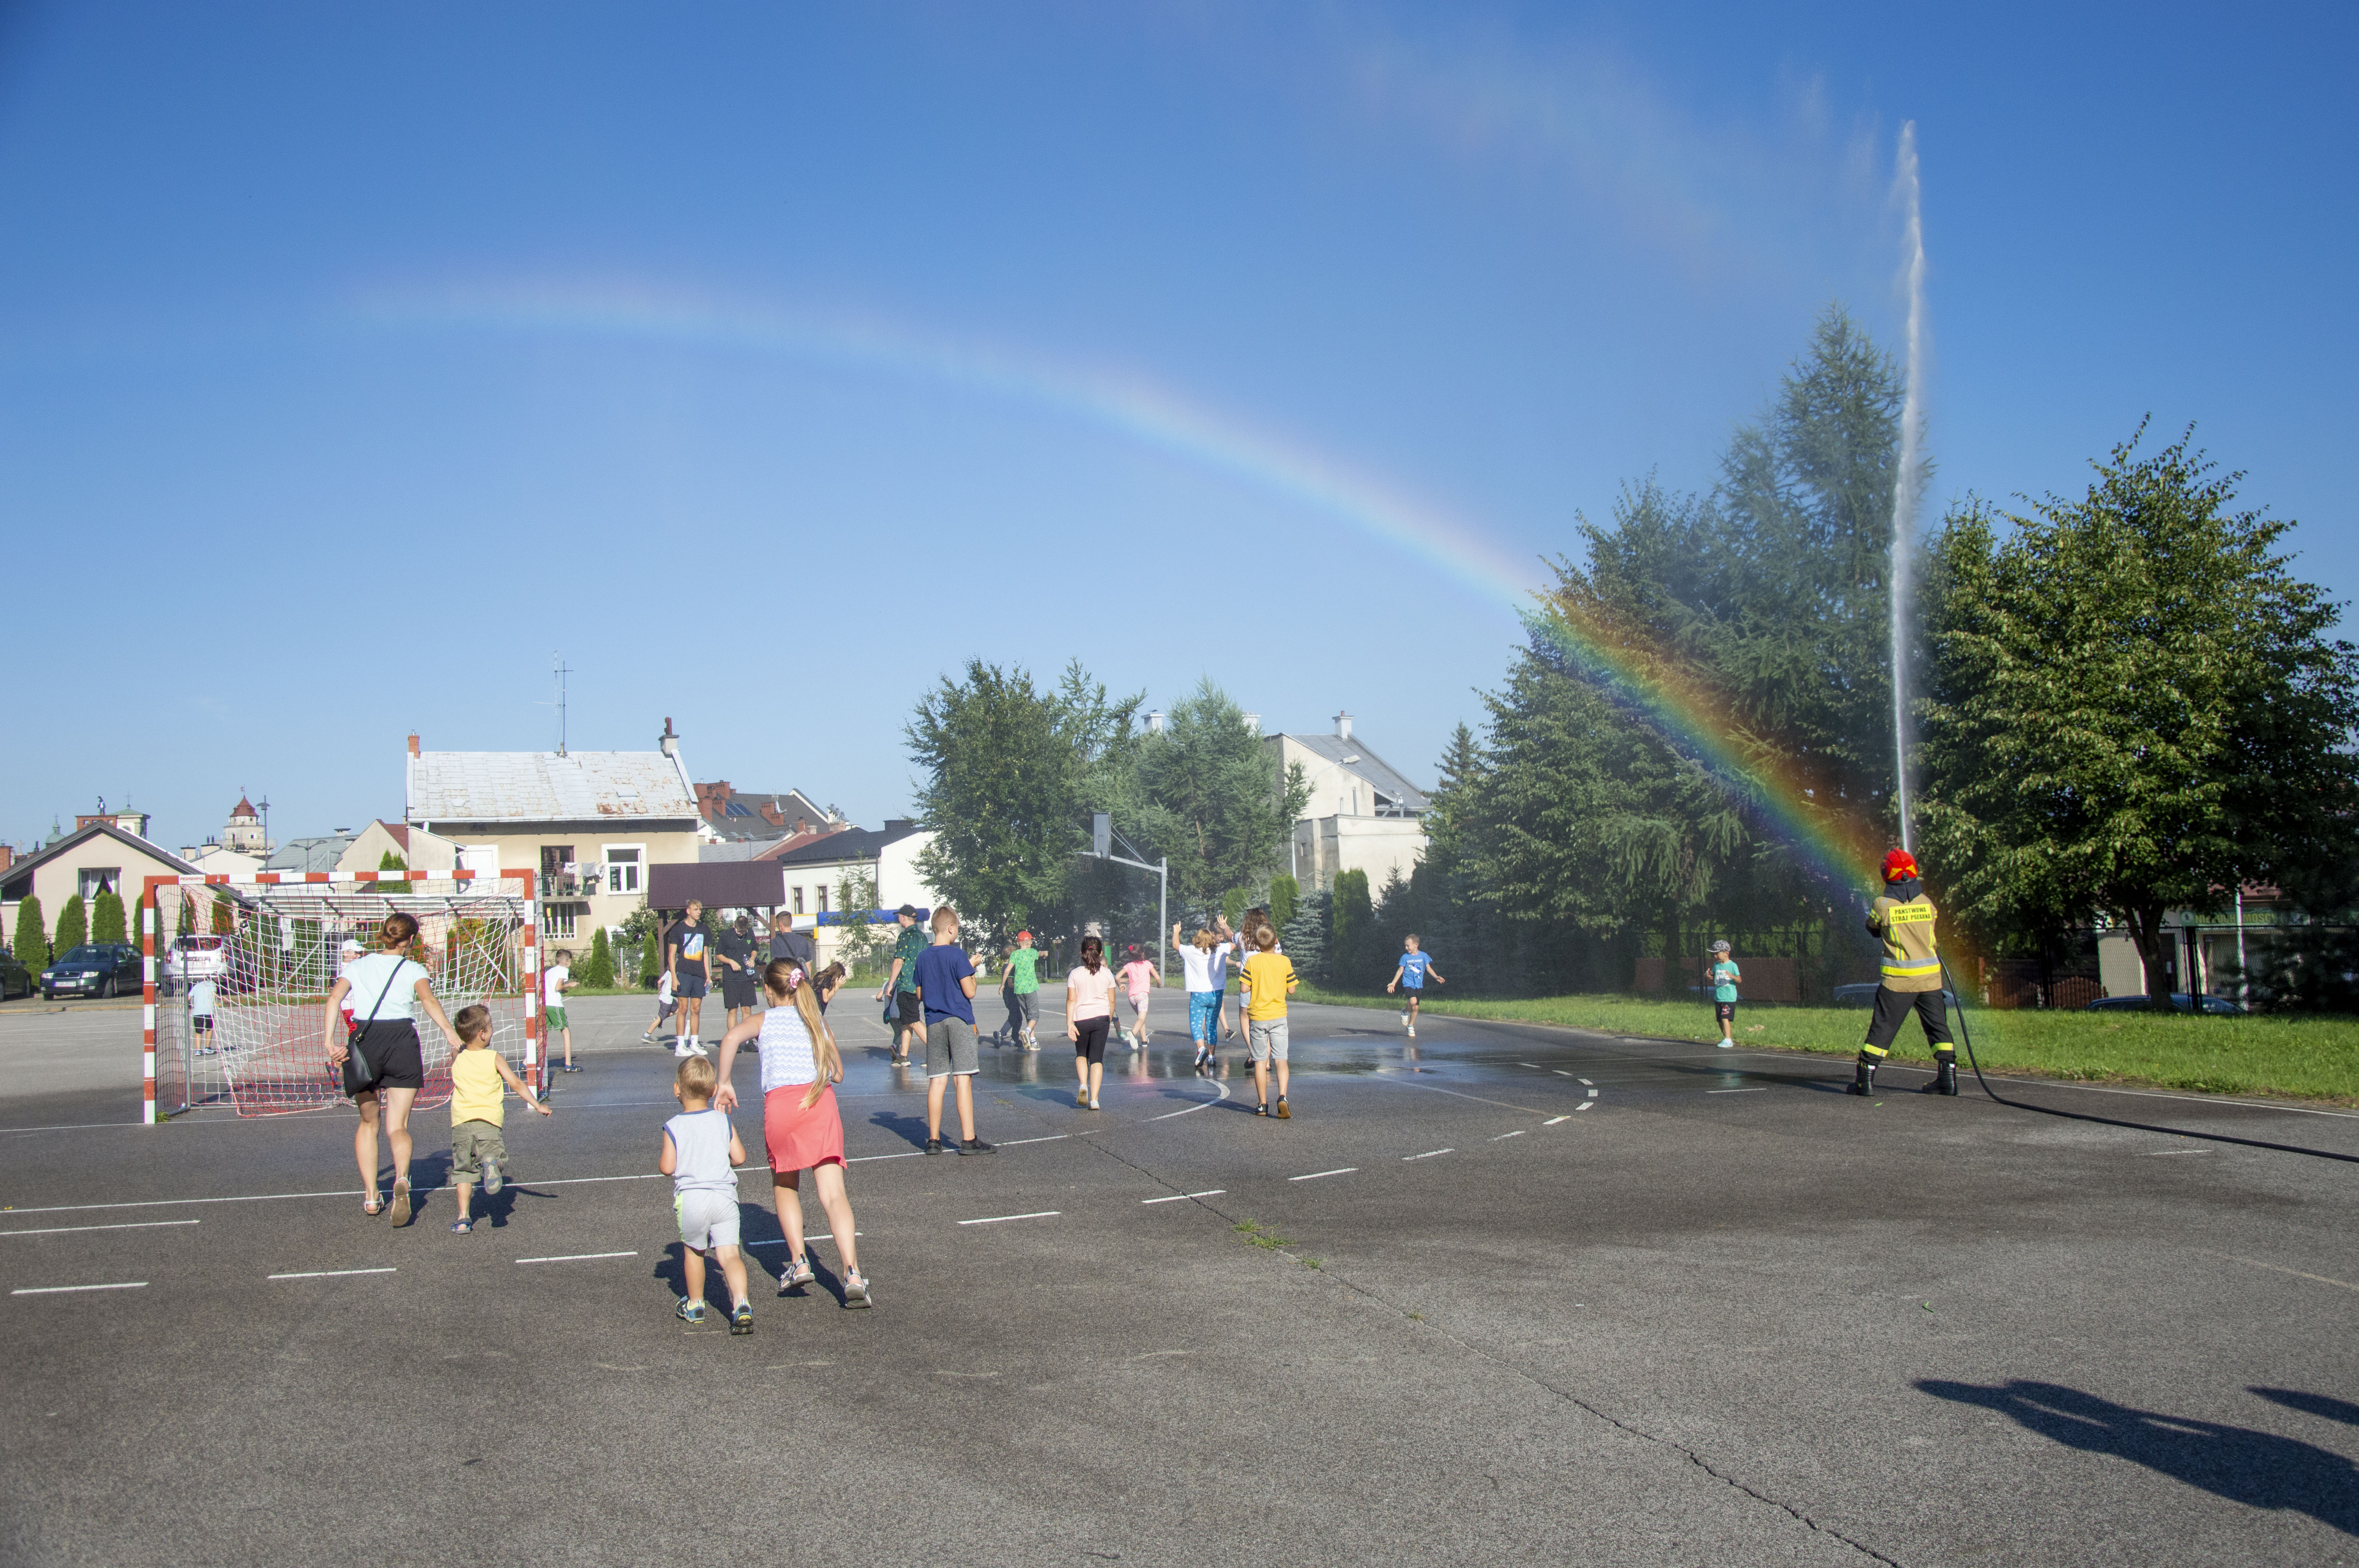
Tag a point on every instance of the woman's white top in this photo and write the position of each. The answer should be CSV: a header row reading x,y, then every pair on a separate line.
x,y
1207,969
371,975
788,1058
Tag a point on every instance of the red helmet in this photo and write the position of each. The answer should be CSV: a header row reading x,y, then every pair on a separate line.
x,y
1899,866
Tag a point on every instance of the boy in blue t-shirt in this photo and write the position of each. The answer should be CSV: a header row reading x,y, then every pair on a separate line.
x,y
1725,977
1414,967
944,977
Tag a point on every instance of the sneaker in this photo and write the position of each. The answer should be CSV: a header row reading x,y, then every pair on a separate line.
x,y
934,1145
1728,1044
1282,1113
1263,1109
855,1290
1080,1097
678,1048
742,1320
798,1272
569,1067
492,1180
1094,1105
1404,1020
976,1146
648,1038
698,1050
691,1311
462,1227
1412,1033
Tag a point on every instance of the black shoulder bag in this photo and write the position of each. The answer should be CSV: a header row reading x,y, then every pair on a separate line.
x,y
356,1070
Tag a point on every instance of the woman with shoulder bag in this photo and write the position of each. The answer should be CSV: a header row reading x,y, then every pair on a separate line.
x,y
382,1064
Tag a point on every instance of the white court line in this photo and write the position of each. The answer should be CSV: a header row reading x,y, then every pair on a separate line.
x,y
1593,1093
1517,1133
1000,1218
1552,1120
1561,1073
1585,1105
330,1273
128,1225
67,1290
1337,1170
1763,1090
1182,1197
2158,1154
781,1241
907,1154
1199,1106
1011,1142
1535,1066
1584,1080
578,1257
1427,1154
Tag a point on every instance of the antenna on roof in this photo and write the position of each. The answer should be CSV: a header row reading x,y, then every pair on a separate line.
x,y
558,670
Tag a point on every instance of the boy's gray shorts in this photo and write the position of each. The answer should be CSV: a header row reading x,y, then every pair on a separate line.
x,y
950,1048
1267,1038
472,1143
706,1219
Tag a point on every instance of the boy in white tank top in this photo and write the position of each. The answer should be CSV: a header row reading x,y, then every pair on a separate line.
x,y
700,1150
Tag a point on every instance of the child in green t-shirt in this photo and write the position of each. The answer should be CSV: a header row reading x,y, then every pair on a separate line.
x,y
1725,977
1022,988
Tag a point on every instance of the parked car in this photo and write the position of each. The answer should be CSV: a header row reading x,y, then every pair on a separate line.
x,y
14,979
195,959
94,968
2179,1002
1863,995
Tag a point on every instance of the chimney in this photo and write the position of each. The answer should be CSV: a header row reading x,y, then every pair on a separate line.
x,y
9,856
772,815
1342,727
669,742
413,743
1155,722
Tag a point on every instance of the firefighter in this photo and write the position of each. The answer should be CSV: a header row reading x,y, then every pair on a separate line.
x,y
1903,920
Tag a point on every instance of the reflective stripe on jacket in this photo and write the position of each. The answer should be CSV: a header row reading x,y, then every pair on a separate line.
x,y
1911,961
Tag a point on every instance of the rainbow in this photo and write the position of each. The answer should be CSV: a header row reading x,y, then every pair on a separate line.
x,y
1141,410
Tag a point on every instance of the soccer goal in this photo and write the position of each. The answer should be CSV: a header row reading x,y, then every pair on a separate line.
x,y
237,971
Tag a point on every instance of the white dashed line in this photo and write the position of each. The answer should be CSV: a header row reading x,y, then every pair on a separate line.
x,y
330,1273
577,1257
1517,1133
1535,1066
1585,1105
1552,1120
130,1225
1002,1218
781,1241
68,1290
1011,1142
1337,1170
1584,1080
1593,1094
1429,1154
1561,1073
1183,1197
909,1154
1763,1090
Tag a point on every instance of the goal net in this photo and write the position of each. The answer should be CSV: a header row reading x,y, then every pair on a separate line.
x,y
238,970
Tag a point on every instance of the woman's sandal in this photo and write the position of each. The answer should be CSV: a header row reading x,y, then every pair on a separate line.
x,y
400,1204
373,1205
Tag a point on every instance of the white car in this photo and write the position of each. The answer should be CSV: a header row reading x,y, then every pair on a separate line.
x,y
196,959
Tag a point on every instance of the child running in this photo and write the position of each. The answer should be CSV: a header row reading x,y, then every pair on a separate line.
x,y
480,1080
1139,979
700,1150
1411,976
1268,980
664,1006
1089,1014
1725,977
1205,965
802,1127
1024,988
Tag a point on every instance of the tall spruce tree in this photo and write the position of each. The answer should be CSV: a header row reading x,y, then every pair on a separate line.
x,y
73,924
31,944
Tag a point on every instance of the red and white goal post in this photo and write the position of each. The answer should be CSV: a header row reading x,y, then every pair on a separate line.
x,y
237,970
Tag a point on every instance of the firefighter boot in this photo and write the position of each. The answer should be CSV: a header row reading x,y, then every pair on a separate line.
x,y
1945,1073
1863,1079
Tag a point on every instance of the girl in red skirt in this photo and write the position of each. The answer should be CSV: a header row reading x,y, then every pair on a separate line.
x,y
800,1125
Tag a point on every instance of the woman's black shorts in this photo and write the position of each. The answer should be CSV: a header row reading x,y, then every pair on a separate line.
x,y
1093,1032
390,1058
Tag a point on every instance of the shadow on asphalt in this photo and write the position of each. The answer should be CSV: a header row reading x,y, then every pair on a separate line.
x,y
912,1128
2258,1469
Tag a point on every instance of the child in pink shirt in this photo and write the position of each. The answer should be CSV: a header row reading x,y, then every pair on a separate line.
x,y
1089,1014
1138,978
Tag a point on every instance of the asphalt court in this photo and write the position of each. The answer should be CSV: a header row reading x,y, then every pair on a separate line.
x,y
1505,1290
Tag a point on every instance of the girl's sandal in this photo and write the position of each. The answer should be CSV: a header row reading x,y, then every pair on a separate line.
x,y
373,1206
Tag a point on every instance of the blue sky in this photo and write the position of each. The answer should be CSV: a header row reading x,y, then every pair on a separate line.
x,y
771,361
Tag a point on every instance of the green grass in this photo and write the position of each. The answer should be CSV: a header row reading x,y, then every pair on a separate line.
x,y
2301,1058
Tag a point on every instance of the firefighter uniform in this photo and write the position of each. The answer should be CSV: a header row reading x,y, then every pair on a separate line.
x,y
1904,921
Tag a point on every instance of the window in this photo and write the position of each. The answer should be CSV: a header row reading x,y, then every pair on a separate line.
x,y
92,881
822,898
798,901
483,859
554,858
562,919
622,868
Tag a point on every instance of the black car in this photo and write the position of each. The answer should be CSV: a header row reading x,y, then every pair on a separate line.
x,y
94,968
14,979
2179,1002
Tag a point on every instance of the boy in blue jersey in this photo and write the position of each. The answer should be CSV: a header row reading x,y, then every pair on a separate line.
x,y
1725,977
1415,966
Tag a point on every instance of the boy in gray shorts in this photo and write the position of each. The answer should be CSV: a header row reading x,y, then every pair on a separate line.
x,y
700,1148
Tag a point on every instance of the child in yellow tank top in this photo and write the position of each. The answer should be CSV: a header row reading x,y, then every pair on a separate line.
x,y
480,1080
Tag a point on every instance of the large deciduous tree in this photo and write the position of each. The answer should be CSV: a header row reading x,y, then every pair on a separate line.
x,y
1211,799
2136,707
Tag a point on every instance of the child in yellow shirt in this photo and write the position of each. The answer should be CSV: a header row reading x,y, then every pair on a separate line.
x,y
1268,980
480,1080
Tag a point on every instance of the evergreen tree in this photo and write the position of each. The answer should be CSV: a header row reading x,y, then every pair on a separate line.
x,y
1285,895
32,940
389,862
187,922
1304,937
597,970
1211,799
106,918
1351,931
73,928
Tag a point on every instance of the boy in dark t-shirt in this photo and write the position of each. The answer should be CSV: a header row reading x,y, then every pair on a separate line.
x,y
741,987
684,962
